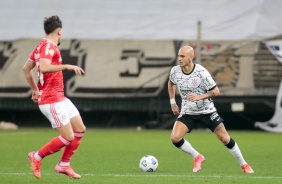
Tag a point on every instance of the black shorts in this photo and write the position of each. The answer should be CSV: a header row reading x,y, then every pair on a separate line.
x,y
211,120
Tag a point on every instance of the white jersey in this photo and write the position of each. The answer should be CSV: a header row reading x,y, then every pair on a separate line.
x,y
199,81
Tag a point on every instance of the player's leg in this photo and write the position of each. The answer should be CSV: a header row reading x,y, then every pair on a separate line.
x,y
78,129
58,116
59,120
53,146
178,132
232,146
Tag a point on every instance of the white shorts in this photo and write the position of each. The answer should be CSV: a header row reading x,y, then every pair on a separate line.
x,y
59,113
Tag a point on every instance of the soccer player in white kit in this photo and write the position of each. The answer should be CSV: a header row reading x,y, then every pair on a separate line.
x,y
196,88
49,94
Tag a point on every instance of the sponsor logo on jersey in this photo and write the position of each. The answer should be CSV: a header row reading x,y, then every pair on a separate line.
x,y
47,49
36,56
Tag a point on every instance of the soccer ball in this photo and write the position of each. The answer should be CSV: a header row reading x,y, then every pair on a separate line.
x,y
148,163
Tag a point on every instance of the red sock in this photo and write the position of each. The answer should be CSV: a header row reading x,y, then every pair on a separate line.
x,y
72,147
53,146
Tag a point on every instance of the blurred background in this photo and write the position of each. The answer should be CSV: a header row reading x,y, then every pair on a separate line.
x,y
127,48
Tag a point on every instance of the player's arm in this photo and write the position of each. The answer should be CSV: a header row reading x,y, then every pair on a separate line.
x,y
171,92
171,89
27,68
210,94
47,67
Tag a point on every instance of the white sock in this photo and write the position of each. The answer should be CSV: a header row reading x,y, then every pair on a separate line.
x,y
235,151
64,163
186,147
37,157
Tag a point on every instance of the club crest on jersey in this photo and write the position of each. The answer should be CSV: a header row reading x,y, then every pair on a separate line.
x,y
194,82
51,52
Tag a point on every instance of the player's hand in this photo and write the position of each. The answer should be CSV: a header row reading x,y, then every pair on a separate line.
x,y
76,69
175,109
34,96
192,97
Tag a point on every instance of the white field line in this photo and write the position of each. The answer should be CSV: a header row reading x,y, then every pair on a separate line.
x,y
160,175
13,133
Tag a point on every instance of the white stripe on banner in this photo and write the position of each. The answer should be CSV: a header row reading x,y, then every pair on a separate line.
x,y
275,47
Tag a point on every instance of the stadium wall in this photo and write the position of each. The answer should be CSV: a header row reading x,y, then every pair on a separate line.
x,y
125,81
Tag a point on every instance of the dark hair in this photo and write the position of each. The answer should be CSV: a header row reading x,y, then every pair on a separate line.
x,y
52,23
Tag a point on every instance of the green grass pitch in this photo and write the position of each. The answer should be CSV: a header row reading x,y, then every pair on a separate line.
x,y
112,156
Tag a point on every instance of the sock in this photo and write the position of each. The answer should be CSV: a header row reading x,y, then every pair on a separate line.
x,y
71,148
235,151
64,163
186,147
53,146
37,157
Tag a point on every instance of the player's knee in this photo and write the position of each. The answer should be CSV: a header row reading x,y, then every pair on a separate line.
x,y
83,129
69,137
175,138
79,128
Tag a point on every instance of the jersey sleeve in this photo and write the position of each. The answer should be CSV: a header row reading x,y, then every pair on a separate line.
x,y
31,56
208,81
172,75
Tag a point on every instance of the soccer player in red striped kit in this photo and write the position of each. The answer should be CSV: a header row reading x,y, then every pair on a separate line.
x,y
49,94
